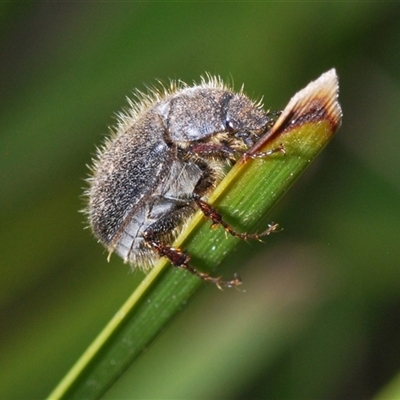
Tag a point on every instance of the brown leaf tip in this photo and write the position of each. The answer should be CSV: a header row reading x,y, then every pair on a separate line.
x,y
316,102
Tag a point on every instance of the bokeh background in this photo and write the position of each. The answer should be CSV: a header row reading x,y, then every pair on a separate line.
x,y
320,314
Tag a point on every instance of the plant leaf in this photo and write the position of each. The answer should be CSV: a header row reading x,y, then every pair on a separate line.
x,y
244,197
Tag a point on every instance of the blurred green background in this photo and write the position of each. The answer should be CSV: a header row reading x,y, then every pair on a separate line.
x,y
320,314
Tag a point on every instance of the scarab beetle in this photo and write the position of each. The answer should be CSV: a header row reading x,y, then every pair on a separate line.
x,y
167,153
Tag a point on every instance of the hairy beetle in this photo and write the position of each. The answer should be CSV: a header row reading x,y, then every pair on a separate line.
x,y
167,153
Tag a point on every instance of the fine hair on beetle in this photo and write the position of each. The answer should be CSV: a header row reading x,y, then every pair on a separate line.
x,y
166,154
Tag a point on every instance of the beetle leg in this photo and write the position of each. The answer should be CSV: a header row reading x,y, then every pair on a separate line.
x,y
153,237
263,154
222,150
212,214
216,219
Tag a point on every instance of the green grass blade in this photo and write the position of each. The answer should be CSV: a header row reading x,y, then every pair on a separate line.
x,y
390,391
244,197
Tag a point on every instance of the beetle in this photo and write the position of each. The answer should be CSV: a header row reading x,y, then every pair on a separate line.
x,y
167,152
